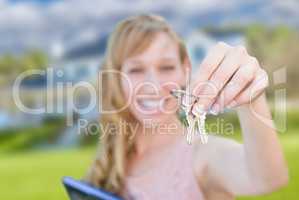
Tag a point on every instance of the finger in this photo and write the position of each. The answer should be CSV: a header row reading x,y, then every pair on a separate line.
x,y
244,75
255,89
227,68
209,65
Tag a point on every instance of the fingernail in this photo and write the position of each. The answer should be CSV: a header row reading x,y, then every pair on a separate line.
x,y
231,104
212,112
215,109
198,109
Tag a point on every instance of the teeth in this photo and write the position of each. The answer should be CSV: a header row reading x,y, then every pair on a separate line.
x,y
150,103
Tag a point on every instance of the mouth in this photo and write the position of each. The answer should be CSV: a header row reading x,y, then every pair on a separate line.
x,y
152,106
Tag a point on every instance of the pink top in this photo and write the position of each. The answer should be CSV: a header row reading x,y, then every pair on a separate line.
x,y
174,178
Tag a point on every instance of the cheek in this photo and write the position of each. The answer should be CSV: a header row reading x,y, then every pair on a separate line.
x,y
130,87
129,84
173,81
127,88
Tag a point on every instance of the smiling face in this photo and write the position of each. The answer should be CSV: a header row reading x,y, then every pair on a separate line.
x,y
150,76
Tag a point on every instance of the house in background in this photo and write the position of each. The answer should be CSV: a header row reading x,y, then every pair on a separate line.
x,y
81,63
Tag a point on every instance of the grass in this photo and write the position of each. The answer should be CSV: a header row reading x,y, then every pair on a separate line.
x,y
290,144
37,174
24,138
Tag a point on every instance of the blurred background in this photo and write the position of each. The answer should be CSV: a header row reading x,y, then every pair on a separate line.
x,y
66,40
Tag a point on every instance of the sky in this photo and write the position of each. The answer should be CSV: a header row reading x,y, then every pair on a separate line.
x,y
48,24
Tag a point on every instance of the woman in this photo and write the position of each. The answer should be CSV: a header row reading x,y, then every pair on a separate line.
x,y
143,152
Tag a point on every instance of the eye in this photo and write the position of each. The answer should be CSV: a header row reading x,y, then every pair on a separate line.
x,y
136,70
167,68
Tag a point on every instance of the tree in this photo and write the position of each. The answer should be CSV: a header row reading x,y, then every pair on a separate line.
x,y
276,47
11,66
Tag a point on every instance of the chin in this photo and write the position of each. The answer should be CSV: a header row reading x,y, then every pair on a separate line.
x,y
153,118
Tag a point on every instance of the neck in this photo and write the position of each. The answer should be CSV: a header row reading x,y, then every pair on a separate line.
x,y
152,137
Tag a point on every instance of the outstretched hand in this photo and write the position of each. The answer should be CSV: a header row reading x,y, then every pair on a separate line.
x,y
228,77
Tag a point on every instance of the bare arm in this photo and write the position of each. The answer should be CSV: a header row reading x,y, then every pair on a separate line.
x,y
257,166
263,153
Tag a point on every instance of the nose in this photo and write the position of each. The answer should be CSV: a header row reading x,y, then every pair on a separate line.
x,y
152,82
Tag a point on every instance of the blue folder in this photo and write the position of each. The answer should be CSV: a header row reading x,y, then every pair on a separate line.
x,y
79,190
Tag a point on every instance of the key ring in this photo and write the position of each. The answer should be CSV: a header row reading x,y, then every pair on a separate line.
x,y
192,119
179,95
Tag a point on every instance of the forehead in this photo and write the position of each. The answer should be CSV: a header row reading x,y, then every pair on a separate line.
x,y
162,47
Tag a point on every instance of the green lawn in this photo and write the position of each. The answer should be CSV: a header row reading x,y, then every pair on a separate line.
x,y
37,175
290,144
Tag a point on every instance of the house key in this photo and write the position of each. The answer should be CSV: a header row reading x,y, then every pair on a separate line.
x,y
195,116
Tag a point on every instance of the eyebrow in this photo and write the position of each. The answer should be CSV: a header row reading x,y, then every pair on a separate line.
x,y
167,59
140,62
135,62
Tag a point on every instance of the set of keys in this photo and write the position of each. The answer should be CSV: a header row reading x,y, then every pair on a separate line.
x,y
194,112
195,116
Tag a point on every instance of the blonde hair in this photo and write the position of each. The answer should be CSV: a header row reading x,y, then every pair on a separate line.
x,y
131,36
